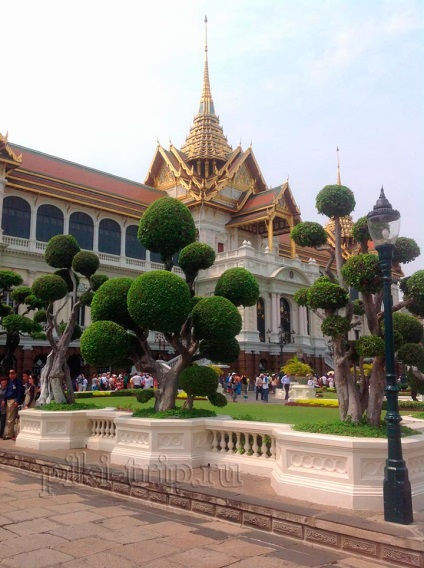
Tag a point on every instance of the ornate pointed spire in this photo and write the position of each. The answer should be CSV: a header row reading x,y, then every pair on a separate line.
x,y
339,180
206,139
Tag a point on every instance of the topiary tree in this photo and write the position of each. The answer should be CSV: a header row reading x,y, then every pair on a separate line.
x,y
296,368
329,298
14,318
162,301
62,253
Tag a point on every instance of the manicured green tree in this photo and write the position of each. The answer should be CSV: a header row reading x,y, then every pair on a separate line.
x,y
14,316
162,301
63,254
328,297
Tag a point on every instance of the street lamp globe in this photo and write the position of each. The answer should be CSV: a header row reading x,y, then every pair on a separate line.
x,y
383,222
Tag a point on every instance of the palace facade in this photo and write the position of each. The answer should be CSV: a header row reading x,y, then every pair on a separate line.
x,y
246,222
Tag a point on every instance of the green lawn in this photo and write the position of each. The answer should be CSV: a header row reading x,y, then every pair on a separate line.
x,y
264,412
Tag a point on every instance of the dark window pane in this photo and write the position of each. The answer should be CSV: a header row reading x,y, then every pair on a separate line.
x,y
16,219
49,222
133,248
82,228
109,237
155,257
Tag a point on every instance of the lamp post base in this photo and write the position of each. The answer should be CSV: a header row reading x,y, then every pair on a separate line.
x,y
397,496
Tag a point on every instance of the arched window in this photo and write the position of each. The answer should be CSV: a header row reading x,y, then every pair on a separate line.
x,y
133,248
16,220
285,319
260,318
49,222
109,237
81,226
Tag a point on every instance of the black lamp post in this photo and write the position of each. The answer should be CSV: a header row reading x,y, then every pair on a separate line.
x,y
383,225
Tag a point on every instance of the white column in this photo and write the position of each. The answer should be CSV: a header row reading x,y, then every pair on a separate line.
x,y
277,312
274,313
96,236
302,320
123,233
66,223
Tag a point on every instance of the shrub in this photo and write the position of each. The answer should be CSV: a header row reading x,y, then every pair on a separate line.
x,y
166,227
86,298
301,296
49,288
335,326
216,318
110,302
18,323
358,307
408,326
76,334
406,250
145,395
84,394
97,280
411,354
335,201
370,346
19,294
296,368
8,279
415,383
360,231
220,351
327,296
194,257
60,251
218,399
239,286
363,272
40,316
196,380
309,234
360,430
182,413
59,407
104,342
159,300
86,263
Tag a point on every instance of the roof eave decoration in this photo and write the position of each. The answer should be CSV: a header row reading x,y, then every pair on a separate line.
x,y
8,159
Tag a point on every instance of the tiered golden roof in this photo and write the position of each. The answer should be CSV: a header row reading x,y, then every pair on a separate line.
x,y
206,139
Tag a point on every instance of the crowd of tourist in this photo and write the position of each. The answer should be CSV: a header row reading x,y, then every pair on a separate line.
x,y
15,393
110,381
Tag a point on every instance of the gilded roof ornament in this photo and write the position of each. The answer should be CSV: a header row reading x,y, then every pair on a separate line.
x,y
206,139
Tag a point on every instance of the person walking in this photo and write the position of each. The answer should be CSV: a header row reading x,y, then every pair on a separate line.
x,y
13,398
236,385
265,388
258,386
285,381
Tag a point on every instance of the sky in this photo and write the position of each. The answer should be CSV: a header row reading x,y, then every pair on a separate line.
x,y
100,83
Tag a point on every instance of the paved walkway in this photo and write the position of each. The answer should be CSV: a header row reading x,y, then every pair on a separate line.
x,y
74,527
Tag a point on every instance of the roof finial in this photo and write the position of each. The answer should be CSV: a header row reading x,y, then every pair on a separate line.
x,y
206,37
339,181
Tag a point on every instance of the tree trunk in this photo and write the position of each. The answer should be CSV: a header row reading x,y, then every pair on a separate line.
x,y
376,397
45,388
70,395
347,393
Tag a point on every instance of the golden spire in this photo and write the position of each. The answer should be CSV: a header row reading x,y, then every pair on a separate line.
x,y
206,139
339,181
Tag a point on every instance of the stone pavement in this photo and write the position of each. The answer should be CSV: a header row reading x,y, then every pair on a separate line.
x,y
74,526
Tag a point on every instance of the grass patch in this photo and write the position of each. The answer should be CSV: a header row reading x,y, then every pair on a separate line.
x,y
360,430
419,415
55,406
279,413
180,412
